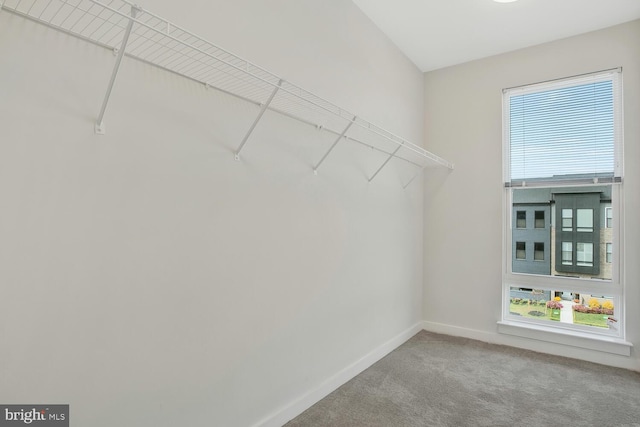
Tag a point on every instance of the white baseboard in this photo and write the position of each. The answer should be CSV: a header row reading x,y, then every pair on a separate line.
x,y
457,331
560,347
310,398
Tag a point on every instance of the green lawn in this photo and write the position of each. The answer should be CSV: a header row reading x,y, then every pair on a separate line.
x,y
536,311
532,311
590,319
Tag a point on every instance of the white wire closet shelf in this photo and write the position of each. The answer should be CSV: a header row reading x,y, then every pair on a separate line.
x,y
129,30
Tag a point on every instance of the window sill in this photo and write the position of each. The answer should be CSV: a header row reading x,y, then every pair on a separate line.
x,y
571,338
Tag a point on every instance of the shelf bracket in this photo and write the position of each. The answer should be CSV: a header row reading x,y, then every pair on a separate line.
x,y
414,177
386,161
255,122
99,127
344,132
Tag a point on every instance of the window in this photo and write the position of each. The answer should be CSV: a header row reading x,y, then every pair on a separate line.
x,y
609,217
521,219
521,250
538,251
567,219
539,222
567,253
563,168
584,255
585,220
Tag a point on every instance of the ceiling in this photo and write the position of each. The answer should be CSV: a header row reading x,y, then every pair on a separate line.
x,y
439,33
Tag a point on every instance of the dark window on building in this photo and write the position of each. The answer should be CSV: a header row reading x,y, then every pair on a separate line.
x,y
521,252
538,251
539,223
521,219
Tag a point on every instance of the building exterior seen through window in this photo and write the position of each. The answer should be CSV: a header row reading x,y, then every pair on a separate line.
x,y
566,232
563,246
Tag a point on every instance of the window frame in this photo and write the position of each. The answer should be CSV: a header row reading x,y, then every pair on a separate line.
x,y
613,287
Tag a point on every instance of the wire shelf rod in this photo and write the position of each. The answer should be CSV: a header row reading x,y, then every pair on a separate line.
x,y
184,31
289,115
163,44
206,54
189,45
403,143
198,63
314,125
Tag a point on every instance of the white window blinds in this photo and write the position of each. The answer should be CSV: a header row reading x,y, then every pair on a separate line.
x,y
566,131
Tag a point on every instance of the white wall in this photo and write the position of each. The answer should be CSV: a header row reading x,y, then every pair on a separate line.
x,y
147,278
463,210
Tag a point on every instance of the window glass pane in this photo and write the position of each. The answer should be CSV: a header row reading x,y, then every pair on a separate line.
x,y
521,252
567,219
584,254
521,219
561,132
567,253
553,250
539,219
609,252
530,303
594,310
609,217
563,306
536,204
584,220
538,251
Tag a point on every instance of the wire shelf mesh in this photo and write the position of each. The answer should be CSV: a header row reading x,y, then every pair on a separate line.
x,y
159,42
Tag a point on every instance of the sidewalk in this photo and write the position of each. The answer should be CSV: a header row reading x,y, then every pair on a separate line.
x,y
566,313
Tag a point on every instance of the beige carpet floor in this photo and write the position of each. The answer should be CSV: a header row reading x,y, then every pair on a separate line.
x,y
438,380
